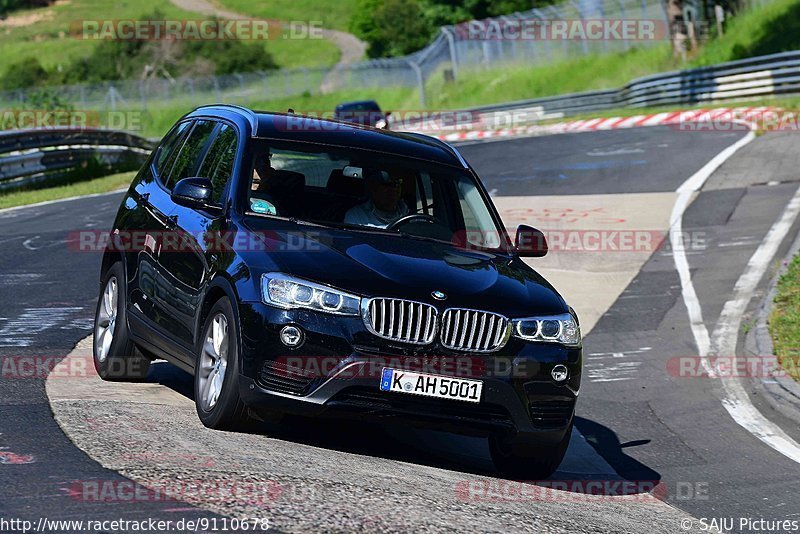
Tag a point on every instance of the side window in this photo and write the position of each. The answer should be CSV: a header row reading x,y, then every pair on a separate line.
x,y
191,152
169,148
218,163
476,215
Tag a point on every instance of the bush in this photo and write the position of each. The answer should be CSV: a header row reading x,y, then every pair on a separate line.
x,y
6,6
27,72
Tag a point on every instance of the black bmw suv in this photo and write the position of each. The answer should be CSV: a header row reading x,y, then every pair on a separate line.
x,y
302,266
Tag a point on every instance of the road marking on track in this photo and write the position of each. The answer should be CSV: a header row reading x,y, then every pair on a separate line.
x,y
613,370
735,399
21,331
723,339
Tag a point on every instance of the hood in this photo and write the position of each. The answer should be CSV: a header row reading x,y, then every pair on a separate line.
x,y
385,265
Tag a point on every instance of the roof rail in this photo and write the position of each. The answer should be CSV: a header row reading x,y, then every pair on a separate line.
x,y
247,112
447,146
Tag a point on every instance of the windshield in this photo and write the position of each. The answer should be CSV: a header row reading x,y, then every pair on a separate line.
x,y
368,191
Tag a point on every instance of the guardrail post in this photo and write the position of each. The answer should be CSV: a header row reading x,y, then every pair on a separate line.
x,y
420,82
448,31
577,7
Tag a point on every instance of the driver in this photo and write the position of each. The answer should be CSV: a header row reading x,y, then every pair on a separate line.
x,y
385,204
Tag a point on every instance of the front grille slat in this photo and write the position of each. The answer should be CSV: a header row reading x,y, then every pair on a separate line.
x,y
473,330
490,330
401,320
390,333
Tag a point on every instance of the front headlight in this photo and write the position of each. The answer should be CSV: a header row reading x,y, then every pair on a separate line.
x,y
289,293
549,329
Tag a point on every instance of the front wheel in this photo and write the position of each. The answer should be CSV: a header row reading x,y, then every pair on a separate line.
x,y
115,356
521,462
216,392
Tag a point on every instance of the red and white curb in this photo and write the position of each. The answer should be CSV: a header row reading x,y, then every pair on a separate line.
x,y
693,119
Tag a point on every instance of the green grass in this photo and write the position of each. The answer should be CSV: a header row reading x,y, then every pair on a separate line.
x,y
335,14
518,82
157,120
767,28
49,39
784,321
97,185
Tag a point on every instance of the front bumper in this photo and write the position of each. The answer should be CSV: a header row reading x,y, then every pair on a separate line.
x,y
337,370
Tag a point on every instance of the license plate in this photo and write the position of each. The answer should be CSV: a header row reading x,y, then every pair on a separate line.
x,y
442,387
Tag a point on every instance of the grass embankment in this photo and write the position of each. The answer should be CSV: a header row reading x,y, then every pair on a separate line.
x,y
335,15
97,185
44,33
784,321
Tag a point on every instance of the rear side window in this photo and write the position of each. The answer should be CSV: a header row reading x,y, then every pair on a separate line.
x,y
191,153
169,148
218,163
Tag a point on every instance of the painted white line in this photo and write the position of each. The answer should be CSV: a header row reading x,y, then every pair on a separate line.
x,y
735,399
690,299
723,340
67,199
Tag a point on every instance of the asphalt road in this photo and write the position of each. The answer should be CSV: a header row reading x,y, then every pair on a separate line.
x,y
636,160
647,425
48,292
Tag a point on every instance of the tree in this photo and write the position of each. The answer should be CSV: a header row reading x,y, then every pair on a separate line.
x,y
391,27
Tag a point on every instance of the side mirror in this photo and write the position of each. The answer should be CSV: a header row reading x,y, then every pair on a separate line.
x,y
193,192
530,242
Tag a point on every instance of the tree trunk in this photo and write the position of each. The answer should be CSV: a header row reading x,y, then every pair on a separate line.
x,y
677,27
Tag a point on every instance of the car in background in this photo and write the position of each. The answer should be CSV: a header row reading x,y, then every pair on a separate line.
x,y
256,256
363,112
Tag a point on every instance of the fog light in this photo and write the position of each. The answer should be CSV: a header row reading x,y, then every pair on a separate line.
x,y
559,373
291,336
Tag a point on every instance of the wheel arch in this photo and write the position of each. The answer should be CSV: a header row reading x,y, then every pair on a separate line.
x,y
219,287
110,257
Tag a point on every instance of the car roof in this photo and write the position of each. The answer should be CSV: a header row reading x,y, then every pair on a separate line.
x,y
300,128
359,103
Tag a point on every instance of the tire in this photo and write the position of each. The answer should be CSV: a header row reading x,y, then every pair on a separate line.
x,y
216,388
115,356
520,462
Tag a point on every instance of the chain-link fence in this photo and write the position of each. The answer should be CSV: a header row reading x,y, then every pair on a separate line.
x,y
530,38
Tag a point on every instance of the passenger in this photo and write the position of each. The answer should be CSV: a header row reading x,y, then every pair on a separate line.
x,y
261,200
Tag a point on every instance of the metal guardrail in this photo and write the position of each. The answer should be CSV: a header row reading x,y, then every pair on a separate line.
x,y
746,79
29,157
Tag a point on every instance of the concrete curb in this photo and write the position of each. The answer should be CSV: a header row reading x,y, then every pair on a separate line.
x,y
701,119
781,392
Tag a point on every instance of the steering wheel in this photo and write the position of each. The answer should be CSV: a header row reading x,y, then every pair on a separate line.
x,y
408,218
